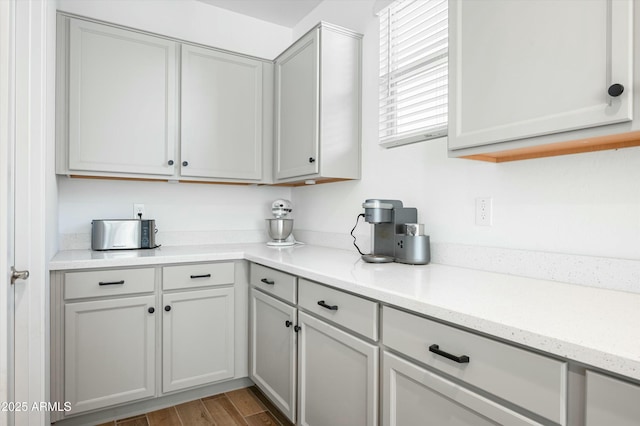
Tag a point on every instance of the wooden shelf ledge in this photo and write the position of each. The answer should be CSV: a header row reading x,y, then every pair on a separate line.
x,y
601,143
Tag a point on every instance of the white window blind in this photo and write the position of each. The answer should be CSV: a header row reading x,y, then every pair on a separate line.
x,y
413,71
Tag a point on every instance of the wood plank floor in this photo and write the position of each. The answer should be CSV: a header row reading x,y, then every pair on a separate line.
x,y
242,407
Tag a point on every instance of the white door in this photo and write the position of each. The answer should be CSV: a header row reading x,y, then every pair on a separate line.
x,y
338,376
221,115
198,338
7,122
26,138
273,350
297,103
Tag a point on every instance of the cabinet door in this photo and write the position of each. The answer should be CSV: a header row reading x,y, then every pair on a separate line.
x,y
297,94
122,100
198,338
338,376
109,352
273,350
535,67
415,396
611,401
221,115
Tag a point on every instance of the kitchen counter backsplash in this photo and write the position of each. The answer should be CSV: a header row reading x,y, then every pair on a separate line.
x,y
600,272
82,241
591,271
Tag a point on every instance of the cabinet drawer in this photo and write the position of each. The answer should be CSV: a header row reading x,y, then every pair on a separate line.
x,y
198,275
108,282
352,312
533,381
278,283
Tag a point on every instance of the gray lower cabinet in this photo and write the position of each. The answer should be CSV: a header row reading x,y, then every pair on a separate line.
x,y
203,322
197,325
120,336
413,395
109,352
338,374
524,380
309,351
273,346
611,401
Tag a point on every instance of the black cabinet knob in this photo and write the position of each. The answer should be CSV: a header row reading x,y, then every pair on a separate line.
x,y
615,90
151,310
167,308
185,163
288,323
312,160
297,328
170,162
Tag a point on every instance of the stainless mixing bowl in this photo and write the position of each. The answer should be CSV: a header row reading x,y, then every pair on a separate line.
x,y
279,229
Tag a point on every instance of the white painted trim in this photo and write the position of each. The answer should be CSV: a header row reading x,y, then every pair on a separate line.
x,y
7,143
34,82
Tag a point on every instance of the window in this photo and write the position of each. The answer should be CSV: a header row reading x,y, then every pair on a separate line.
x,y
413,71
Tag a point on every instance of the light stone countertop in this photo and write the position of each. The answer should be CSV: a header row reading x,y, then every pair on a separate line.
x,y
597,327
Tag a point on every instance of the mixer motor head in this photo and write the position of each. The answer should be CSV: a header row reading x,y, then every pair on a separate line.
x,y
281,208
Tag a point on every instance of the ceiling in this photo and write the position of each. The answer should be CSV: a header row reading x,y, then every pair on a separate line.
x,y
282,12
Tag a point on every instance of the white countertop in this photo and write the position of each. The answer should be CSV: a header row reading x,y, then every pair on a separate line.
x,y
593,326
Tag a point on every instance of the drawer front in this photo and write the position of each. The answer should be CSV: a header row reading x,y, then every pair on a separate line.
x,y
411,392
352,312
197,275
111,282
274,282
529,380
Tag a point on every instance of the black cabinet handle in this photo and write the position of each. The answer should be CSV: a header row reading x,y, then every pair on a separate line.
x,y
615,90
193,277
312,160
185,163
167,308
330,307
288,323
462,359
297,328
151,310
170,162
267,281
111,282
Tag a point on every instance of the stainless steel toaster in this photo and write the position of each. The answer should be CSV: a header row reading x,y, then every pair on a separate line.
x,y
123,234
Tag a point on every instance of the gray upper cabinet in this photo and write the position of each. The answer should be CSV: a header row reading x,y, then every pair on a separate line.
x,y
221,106
534,72
136,105
317,113
121,92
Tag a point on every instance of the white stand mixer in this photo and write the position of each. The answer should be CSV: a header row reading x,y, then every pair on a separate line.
x,y
279,228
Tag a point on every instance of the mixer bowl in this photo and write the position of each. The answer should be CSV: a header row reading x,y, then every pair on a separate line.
x,y
279,229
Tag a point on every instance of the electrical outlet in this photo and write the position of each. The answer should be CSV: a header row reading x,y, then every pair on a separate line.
x,y
138,211
483,211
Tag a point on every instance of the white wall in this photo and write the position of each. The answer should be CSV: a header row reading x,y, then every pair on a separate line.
x,y
180,210
184,213
579,204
